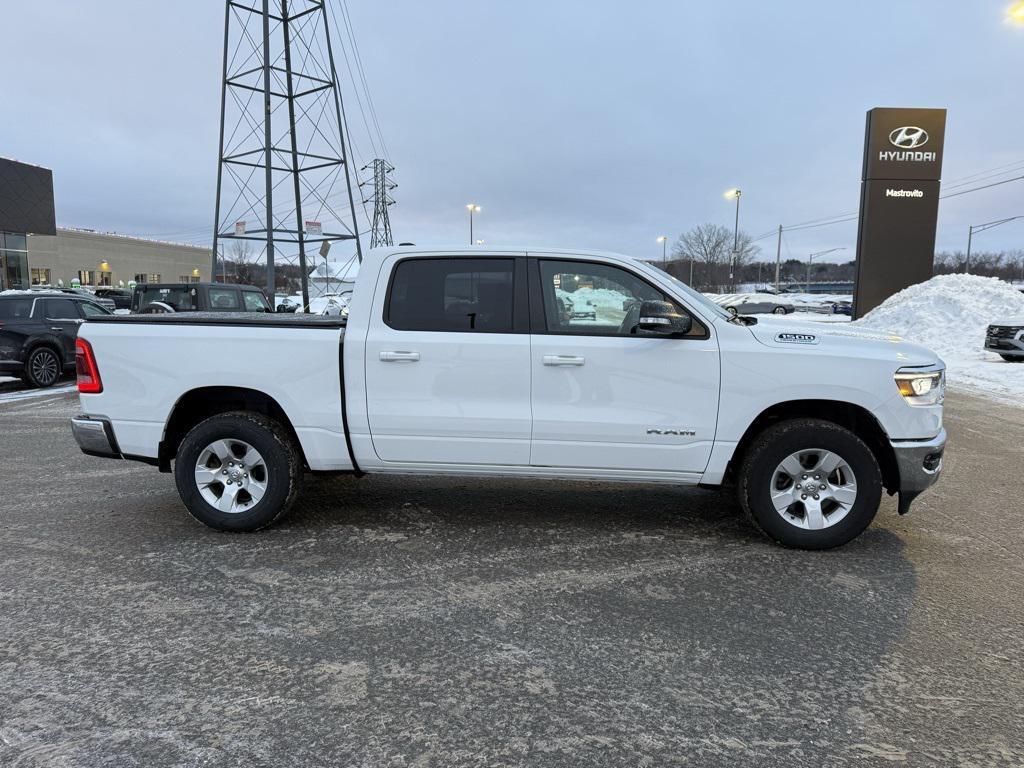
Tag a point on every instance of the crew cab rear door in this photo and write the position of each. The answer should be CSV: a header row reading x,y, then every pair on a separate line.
x,y
604,395
448,360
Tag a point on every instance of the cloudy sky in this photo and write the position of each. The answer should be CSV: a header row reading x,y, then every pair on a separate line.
x,y
571,122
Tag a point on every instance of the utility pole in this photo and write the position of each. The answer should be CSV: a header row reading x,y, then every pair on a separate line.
x,y
663,240
380,233
810,258
274,57
981,228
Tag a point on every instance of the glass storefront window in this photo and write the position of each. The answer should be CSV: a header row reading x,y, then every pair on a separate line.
x,y
40,276
13,261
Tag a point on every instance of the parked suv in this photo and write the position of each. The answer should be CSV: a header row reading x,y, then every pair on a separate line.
x,y
160,298
121,297
1006,339
37,333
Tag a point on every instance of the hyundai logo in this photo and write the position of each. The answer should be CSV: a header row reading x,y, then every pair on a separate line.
x,y
908,137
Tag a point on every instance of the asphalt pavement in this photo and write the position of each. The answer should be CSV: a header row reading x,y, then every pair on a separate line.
x,y
443,622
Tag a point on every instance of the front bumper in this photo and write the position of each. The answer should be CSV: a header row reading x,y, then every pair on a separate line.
x,y
95,436
919,463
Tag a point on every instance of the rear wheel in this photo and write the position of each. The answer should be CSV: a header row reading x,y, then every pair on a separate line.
x,y
810,484
238,471
779,311
43,367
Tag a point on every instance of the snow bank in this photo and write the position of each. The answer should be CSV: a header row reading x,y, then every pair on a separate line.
x,y
949,314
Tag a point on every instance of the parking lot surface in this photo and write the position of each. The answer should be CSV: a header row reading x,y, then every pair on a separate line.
x,y
433,622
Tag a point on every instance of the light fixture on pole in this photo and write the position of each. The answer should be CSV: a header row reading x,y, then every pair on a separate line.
x,y
663,240
982,227
730,195
810,258
472,208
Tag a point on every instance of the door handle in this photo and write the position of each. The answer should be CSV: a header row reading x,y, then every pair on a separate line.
x,y
56,328
563,360
399,357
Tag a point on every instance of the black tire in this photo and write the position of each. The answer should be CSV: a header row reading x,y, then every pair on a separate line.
x,y
1013,358
43,367
779,311
279,453
785,438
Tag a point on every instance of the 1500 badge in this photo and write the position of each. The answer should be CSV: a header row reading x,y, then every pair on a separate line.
x,y
796,338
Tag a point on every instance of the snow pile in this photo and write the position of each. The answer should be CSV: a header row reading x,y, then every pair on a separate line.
x,y
604,298
950,314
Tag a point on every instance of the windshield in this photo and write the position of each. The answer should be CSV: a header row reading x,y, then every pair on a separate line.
x,y
696,297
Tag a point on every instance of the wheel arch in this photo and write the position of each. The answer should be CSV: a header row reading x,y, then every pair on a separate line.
x,y
853,417
52,344
201,403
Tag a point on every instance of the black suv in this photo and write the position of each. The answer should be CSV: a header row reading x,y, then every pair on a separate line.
x,y
156,298
38,331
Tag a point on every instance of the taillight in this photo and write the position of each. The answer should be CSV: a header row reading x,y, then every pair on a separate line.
x,y
89,382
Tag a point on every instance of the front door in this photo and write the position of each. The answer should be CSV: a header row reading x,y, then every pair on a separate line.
x,y
604,395
448,362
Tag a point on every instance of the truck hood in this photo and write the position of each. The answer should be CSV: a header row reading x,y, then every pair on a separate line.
x,y
839,338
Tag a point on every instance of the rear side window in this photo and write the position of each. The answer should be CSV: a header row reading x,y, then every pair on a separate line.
x,y
92,310
15,309
225,299
61,309
458,295
180,298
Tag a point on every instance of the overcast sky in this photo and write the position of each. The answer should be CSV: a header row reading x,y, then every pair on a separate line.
x,y
571,122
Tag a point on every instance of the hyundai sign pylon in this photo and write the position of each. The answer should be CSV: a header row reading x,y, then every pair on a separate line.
x,y
899,202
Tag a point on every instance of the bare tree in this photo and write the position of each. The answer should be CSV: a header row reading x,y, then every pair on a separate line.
x,y
241,254
709,247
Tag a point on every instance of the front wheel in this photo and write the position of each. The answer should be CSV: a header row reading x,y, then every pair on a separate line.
x,y
238,471
779,311
810,484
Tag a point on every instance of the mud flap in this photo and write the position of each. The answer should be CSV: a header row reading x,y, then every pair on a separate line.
x,y
906,497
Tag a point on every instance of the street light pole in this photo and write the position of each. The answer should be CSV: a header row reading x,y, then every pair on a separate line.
x,y
473,208
981,228
810,258
778,258
735,193
663,240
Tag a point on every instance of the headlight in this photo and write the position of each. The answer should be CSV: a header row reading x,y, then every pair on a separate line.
x,y
921,387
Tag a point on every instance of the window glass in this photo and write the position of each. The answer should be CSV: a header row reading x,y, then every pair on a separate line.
x,y
61,309
11,309
180,298
472,295
255,301
225,299
92,310
596,299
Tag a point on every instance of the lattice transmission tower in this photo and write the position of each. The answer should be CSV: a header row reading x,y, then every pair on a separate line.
x,y
380,232
283,181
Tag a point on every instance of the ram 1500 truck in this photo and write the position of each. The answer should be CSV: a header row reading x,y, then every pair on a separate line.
x,y
466,362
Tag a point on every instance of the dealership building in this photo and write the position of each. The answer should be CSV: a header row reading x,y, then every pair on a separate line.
x,y
34,251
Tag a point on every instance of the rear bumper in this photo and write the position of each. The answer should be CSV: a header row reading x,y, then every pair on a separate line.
x,y
920,464
95,436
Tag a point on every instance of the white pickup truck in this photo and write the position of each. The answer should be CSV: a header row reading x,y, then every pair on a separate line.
x,y
466,362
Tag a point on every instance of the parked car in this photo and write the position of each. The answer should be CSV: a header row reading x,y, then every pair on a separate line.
x,y
121,297
283,303
809,423
162,298
1006,339
754,304
37,333
103,301
841,307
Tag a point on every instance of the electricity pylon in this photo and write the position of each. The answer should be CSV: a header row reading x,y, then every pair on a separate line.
x,y
283,152
381,230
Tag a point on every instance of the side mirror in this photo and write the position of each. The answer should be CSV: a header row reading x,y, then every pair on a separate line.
x,y
661,318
